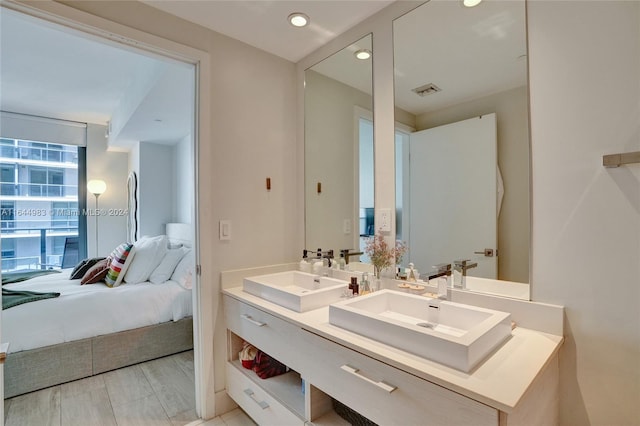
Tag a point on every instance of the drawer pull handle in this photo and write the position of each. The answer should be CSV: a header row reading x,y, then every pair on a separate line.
x,y
252,395
382,385
252,321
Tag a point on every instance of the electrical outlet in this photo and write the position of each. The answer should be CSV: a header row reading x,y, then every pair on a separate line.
x,y
383,221
346,226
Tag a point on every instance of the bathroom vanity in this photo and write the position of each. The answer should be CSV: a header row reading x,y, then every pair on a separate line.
x,y
516,383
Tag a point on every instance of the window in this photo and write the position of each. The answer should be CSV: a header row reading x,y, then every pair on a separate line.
x,y
7,148
9,261
37,180
54,153
8,217
8,179
55,180
40,204
64,214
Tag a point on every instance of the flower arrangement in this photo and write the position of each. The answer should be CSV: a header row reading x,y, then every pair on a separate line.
x,y
382,256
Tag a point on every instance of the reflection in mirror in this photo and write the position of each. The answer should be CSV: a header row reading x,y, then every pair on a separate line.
x,y
462,140
339,150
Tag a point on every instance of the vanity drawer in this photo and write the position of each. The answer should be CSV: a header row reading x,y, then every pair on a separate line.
x,y
385,394
272,335
255,401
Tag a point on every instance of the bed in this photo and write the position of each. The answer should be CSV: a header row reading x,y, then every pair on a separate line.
x,y
91,329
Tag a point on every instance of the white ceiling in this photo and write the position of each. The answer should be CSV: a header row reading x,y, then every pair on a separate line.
x,y
264,24
467,52
55,73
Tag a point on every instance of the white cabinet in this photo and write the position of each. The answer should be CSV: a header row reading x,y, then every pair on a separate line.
x,y
272,335
385,394
380,392
259,399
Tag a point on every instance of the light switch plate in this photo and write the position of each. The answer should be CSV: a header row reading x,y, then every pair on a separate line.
x,y
383,222
346,226
225,230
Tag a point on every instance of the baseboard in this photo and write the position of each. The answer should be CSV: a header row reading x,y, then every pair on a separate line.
x,y
224,403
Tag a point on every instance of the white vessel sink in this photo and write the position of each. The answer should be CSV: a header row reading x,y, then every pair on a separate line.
x,y
461,337
298,291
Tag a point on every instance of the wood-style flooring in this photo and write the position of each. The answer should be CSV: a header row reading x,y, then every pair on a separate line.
x,y
157,392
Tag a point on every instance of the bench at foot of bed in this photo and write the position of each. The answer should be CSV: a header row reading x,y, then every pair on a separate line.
x,y
28,371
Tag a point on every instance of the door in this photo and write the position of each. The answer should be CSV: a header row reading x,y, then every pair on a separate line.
x,y
453,195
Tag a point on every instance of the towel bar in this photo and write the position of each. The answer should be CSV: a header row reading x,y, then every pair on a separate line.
x,y
616,160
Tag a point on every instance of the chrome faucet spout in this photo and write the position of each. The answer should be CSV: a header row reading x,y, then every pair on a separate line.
x,y
347,253
441,270
460,268
318,254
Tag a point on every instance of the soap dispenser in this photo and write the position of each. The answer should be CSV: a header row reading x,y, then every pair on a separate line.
x,y
304,265
341,262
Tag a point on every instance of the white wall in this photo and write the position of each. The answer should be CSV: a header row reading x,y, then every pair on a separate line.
x,y
330,138
183,181
111,167
165,184
253,125
585,102
156,188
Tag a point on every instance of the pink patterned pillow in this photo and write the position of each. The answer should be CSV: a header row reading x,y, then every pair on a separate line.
x,y
121,258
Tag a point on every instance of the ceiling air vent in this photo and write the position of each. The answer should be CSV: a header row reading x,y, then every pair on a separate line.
x,y
427,89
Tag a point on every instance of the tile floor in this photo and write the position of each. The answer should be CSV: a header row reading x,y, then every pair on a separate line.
x,y
157,392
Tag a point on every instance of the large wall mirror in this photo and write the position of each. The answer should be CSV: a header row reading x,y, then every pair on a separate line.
x,y
462,140
338,127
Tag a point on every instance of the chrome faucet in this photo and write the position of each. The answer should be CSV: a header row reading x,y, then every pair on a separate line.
x,y
318,254
347,254
460,268
443,272
440,270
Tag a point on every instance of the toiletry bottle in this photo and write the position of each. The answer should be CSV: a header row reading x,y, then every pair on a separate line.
x,y
341,262
304,266
364,284
412,274
354,285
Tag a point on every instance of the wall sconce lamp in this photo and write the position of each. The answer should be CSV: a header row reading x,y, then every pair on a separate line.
x,y
96,187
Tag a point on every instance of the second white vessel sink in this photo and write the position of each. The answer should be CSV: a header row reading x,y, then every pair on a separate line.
x,y
459,335
295,290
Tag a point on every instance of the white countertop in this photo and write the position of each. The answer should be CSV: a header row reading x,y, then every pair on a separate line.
x,y
500,381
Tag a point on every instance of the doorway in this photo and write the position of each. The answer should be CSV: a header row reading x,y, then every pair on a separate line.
x,y
159,49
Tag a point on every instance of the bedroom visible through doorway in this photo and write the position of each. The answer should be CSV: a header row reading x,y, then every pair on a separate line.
x,y
139,109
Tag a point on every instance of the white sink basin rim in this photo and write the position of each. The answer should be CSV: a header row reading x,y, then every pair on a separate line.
x,y
295,290
460,337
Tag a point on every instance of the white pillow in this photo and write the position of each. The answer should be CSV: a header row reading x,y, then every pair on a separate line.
x,y
150,251
167,265
185,272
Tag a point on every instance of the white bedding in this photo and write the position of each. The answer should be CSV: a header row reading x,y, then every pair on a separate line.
x,y
84,311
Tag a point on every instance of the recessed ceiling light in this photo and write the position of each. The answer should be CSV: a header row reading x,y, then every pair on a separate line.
x,y
471,3
298,19
362,54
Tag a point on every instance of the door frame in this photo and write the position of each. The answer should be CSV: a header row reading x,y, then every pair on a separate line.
x,y
94,27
